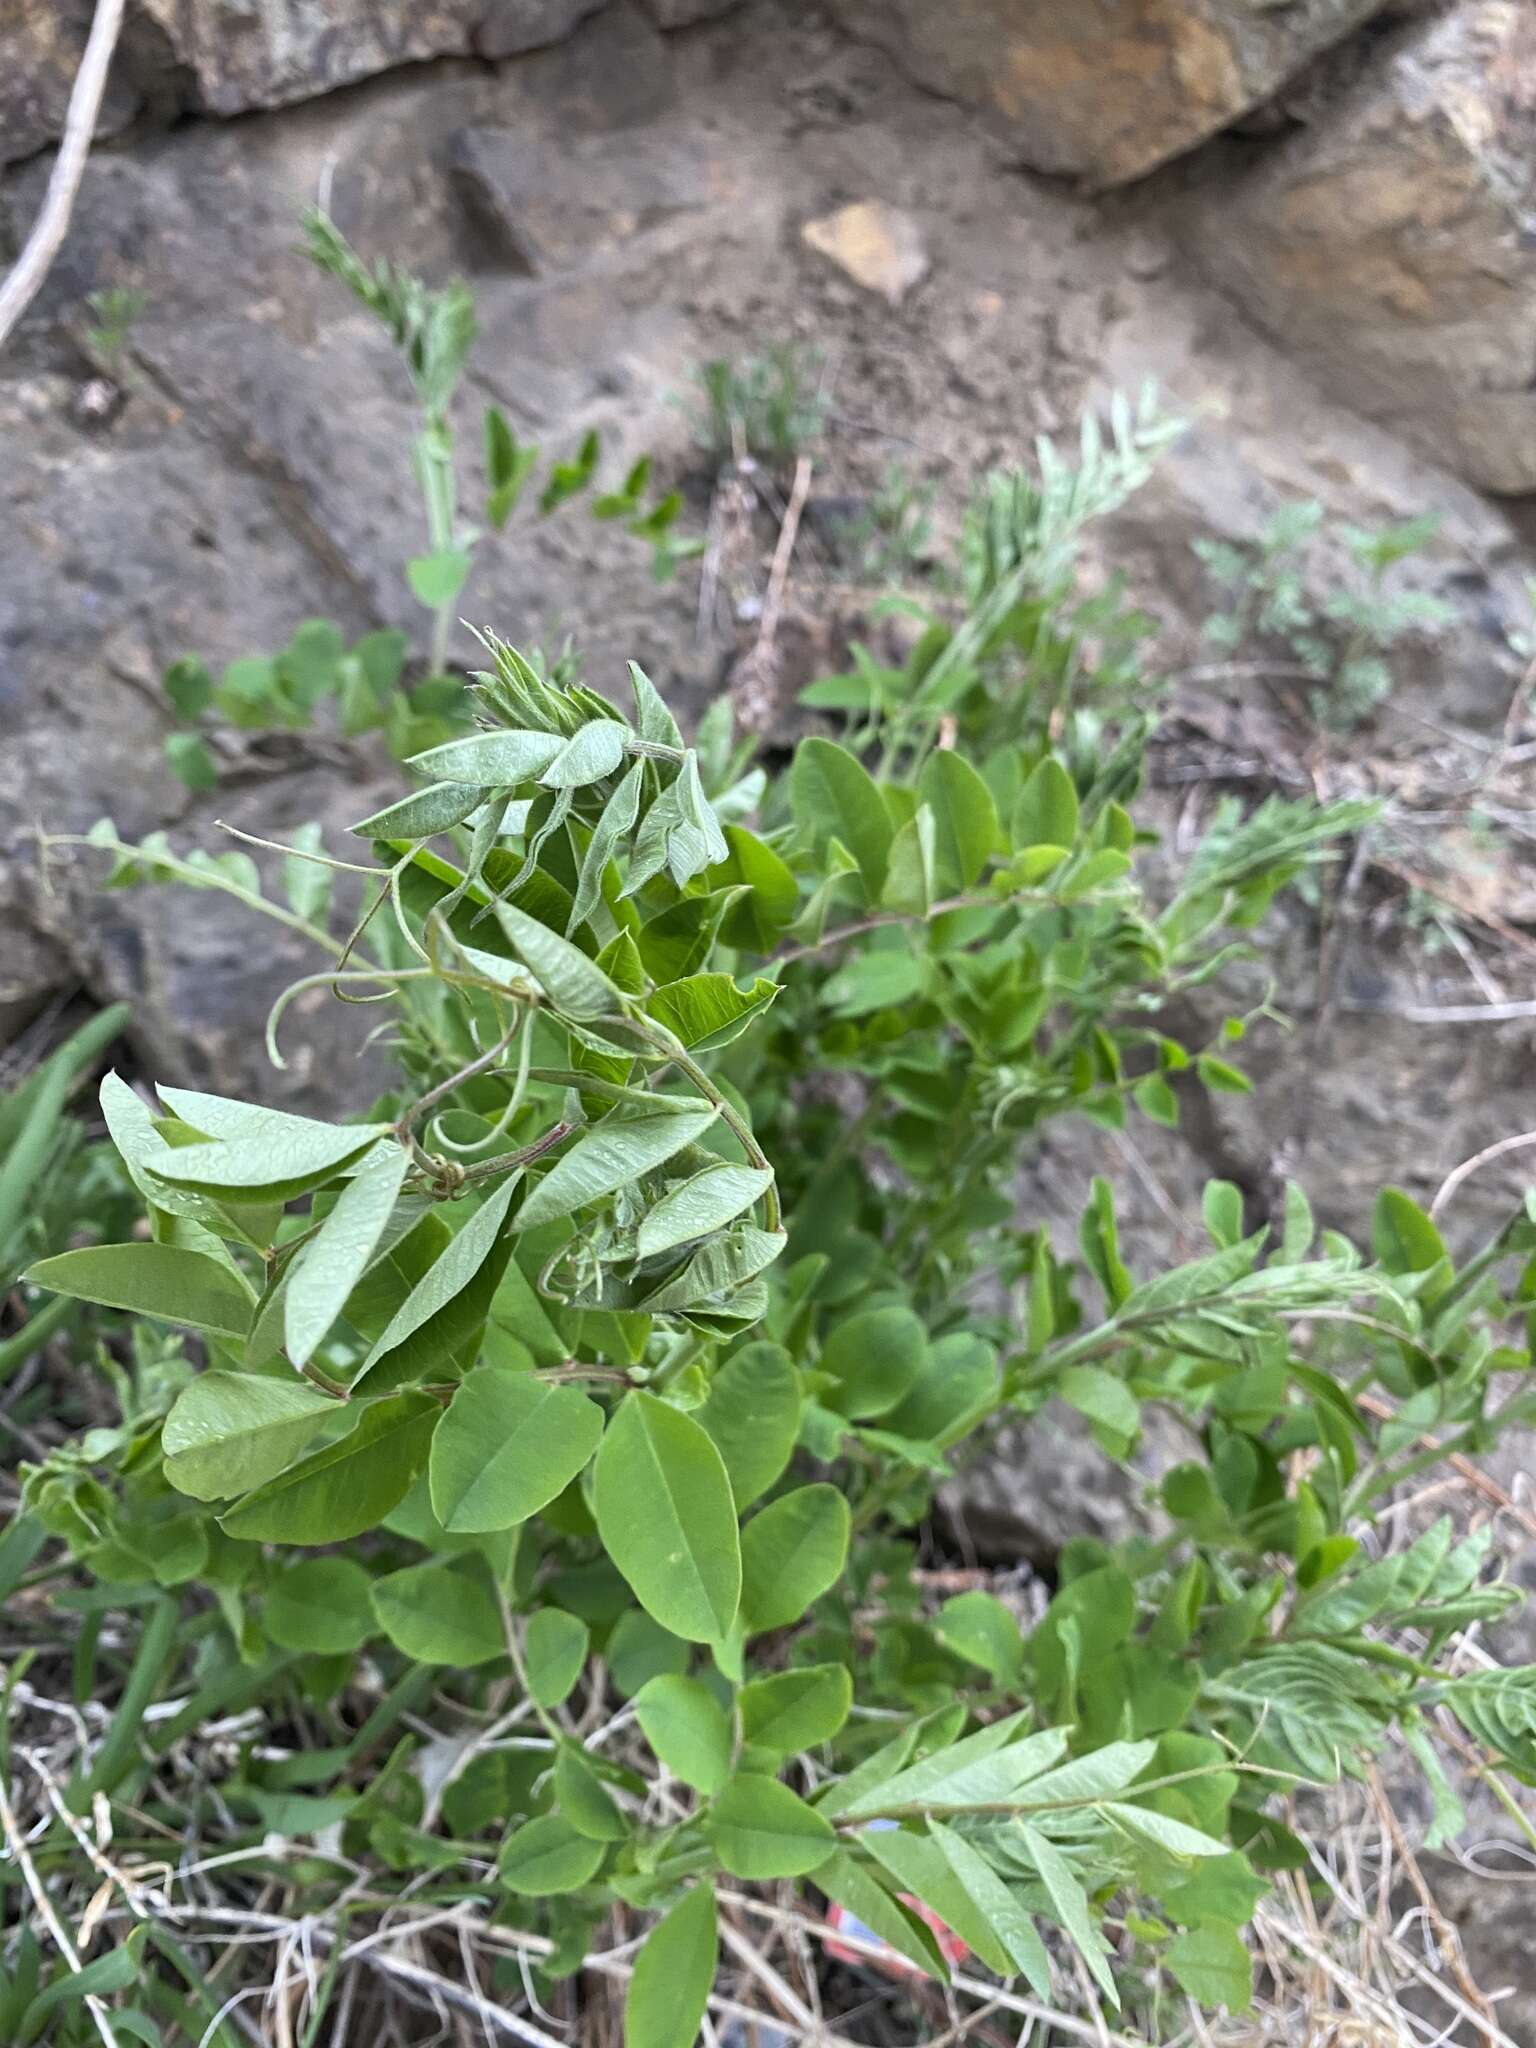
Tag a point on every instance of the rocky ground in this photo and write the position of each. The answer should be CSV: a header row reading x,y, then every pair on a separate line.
x,y
1333,296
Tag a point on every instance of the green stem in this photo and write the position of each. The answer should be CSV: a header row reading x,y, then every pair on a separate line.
x,y
736,1124
33,1334
118,1753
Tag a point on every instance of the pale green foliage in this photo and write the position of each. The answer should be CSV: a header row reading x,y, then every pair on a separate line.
x,y
113,310
1344,639
622,1355
771,406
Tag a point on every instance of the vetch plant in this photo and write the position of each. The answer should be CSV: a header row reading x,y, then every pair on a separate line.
x,y
378,683
552,1444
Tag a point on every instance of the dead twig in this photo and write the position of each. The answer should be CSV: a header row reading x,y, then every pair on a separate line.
x,y
52,224
1468,1167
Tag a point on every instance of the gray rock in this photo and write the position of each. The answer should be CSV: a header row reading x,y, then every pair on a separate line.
x,y
556,212
1393,241
41,43
1105,93
684,13
229,56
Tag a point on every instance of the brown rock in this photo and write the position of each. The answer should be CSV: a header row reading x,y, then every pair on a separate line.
x,y
1394,243
1106,92
879,246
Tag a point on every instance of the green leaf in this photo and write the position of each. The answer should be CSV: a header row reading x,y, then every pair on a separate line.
x,y
490,760
190,761
1103,1397
687,1728
114,1971
791,1553
546,1856
450,1300
957,1379
609,833
508,466
575,986
965,820
1005,1916
674,1974
794,1710
273,1164
593,751
1221,1077
507,1445
920,1867
875,1358
707,1011
1156,1099
1222,1205
436,580
862,1894
320,1606
699,1207
330,1266
834,796
760,1830
755,921
881,979
436,809
1070,1903
910,876
1084,1778
346,1487
984,1769
555,1652
753,1414
584,1800
1213,1967
229,1431
1219,1890
189,685
610,1155
653,720
1402,1236
665,1513
1161,1829
436,1615
1046,813
978,1627
160,1280
567,479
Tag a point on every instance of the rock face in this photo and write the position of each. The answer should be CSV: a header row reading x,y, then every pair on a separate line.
x,y
231,56
1394,242
40,46
1106,92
